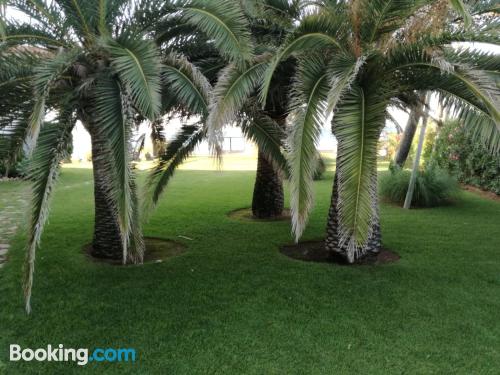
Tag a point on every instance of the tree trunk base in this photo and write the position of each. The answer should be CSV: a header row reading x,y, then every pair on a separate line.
x,y
157,250
268,196
333,242
107,242
315,251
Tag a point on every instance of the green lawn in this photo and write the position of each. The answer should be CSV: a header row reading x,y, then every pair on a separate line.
x,y
233,304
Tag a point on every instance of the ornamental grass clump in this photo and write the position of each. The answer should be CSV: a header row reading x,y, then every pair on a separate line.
x,y
433,187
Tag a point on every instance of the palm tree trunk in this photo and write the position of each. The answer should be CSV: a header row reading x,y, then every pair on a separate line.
x,y
416,164
106,242
333,242
268,197
408,135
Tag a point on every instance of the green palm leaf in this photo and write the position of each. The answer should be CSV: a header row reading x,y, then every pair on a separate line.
x,y
342,71
16,99
137,62
51,149
356,125
80,14
189,85
268,135
176,152
308,109
45,75
234,86
479,123
225,23
475,83
113,118
20,33
316,31
45,13
461,8
385,16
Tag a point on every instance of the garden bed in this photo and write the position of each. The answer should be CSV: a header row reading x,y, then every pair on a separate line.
x,y
157,250
314,251
245,214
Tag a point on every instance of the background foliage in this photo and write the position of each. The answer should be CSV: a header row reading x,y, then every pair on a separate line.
x,y
468,160
19,169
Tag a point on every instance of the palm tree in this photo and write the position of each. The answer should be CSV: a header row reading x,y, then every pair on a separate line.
x,y
93,61
414,116
243,34
477,9
355,58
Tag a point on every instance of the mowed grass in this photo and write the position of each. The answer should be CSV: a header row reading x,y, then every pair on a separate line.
x,y
232,304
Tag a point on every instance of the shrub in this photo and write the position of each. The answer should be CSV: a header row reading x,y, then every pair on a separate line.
x,y
433,187
470,161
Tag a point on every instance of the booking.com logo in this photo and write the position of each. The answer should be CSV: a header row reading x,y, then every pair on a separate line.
x,y
80,356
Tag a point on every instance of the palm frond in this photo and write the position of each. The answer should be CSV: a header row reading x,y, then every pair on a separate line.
x,y
308,109
385,16
137,62
356,125
428,41
462,9
12,137
189,85
484,88
82,15
477,8
268,135
116,16
49,15
21,33
35,123
315,32
16,101
234,86
225,23
487,62
146,15
342,71
175,153
478,122
443,73
45,75
458,91
113,119
51,149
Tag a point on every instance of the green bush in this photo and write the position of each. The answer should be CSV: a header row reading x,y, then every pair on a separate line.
x,y
470,161
433,187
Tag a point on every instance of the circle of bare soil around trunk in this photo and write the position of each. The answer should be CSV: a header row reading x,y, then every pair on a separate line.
x,y
245,214
157,251
315,251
